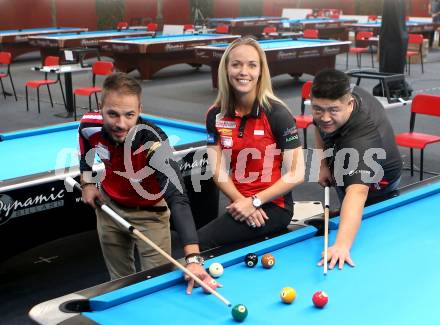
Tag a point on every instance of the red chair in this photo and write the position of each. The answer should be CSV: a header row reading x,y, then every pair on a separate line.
x,y
152,27
222,29
99,68
6,59
48,61
304,121
122,25
269,29
415,39
188,27
421,104
364,37
311,33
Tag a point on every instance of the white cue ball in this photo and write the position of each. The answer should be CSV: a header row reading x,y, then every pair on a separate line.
x,y
216,270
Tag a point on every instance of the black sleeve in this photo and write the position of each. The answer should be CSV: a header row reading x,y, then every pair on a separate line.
x,y
365,152
160,158
212,134
84,149
283,127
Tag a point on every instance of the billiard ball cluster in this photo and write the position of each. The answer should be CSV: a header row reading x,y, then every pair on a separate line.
x,y
267,260
287,294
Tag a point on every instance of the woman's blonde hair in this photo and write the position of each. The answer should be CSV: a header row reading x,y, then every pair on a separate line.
x,y
225,96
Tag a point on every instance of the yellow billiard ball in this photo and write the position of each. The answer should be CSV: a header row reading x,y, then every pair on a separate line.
x,y
288,295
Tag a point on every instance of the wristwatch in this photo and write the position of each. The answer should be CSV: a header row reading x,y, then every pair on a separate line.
x,y
194,258
256,202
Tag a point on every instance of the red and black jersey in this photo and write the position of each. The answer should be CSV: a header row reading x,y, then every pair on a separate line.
x,y
150,176
255,143
92,135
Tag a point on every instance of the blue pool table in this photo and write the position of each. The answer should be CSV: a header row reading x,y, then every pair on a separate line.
x,y
31,192
249,25
150,54
395,280
329,28
412,27
16,41
54,43
292,56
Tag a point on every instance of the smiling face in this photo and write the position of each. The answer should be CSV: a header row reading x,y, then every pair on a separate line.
x,y
329,114
120,113
244,70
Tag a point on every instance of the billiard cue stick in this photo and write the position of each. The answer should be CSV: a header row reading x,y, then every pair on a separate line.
x,y
326,217
132,229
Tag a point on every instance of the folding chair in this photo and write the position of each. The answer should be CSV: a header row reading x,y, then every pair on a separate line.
x,y
416,39
311,33
222,29
422,104
187,28
304,121
99,68
152,27
122,25
361,36
48,61
6,59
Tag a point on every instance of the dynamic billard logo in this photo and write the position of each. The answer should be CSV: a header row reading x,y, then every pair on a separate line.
x,y
10,208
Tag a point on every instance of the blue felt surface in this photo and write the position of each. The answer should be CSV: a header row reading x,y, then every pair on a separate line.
x,y
315,20
92,33
285,43
35,151
408,23
395,280
170,38
242,18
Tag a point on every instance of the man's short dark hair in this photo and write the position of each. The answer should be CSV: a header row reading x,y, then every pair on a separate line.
x,y
121,83
330,84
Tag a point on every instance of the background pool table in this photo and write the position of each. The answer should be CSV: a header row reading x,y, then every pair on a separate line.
x,y
16,40
53,44
328,28
250,25
294,57
150,54
395,280
412,26
33,200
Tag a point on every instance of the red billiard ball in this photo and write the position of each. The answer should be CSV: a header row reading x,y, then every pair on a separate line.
x,y
210,283
320,299
268,261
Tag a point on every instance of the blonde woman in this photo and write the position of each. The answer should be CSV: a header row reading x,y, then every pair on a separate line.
x,y
253,148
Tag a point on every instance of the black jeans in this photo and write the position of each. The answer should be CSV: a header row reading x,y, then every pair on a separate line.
x,y
225,230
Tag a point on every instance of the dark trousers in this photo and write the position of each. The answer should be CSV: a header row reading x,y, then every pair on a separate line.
x,y
225,230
